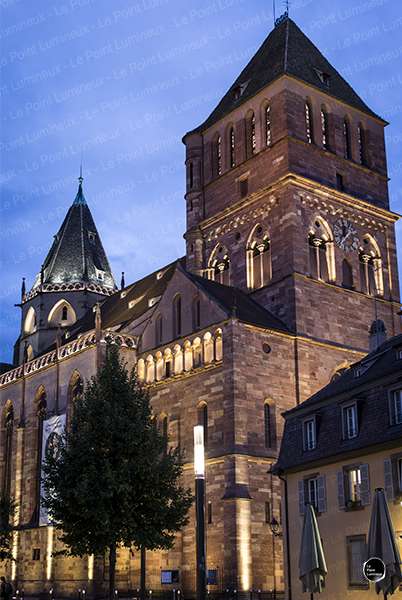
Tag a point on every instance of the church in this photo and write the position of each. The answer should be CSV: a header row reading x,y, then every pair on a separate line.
x,y
290,276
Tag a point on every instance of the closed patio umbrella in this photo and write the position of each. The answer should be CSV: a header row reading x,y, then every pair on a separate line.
x,y
382,544
312,565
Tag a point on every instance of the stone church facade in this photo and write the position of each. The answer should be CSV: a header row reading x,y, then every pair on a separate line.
x,y
290,275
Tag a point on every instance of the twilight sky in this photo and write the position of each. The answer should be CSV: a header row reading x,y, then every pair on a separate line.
x,y
121,81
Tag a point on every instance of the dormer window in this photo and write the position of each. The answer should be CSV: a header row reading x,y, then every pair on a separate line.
x,y
92,237
240,89
323,77
350,421
309,434
395,406
100,275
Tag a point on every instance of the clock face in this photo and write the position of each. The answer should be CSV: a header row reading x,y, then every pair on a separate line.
x,y
346,235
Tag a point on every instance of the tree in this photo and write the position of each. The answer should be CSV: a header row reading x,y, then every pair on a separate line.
x,y
7,509
112,481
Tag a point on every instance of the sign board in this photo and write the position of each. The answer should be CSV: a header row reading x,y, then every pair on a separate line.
x,y
374,569
53,429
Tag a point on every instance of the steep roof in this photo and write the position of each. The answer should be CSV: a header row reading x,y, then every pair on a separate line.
x,y
286,51
237,303
366,382
128,304
77,254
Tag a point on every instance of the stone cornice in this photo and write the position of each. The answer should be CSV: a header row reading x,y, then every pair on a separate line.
x,y
315,194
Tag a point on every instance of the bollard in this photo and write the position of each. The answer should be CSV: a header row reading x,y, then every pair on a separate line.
x,y
235,594
116,594
259,594
79,593
83,594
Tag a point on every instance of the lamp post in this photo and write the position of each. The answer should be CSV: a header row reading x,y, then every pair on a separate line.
x,y
199,472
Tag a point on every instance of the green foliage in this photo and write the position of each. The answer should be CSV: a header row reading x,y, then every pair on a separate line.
x,y
112,481
7,509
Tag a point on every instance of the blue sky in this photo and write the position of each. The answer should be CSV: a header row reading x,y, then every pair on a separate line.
x,y
121,81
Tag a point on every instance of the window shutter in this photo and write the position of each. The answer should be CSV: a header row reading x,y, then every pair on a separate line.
x,y
322,495
341,489
388,480
301,497
365,493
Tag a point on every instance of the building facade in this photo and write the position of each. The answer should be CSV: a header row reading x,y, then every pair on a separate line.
x,y
338,447
290,269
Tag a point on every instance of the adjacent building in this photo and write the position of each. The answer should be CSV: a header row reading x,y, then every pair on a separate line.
x,y
290,275
338,447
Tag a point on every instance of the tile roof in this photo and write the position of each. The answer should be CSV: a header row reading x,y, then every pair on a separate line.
x,y
378,370
286,51
237,303
77,254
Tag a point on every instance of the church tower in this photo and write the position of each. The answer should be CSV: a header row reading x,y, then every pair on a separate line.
x,y
287,197
74,276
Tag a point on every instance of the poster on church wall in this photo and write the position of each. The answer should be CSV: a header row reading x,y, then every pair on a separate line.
x,y
53,429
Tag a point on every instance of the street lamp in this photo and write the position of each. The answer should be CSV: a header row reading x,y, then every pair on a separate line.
x,y
199,472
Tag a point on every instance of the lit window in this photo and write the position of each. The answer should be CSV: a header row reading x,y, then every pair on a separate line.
x,y
350,424
309,434
324,128
268,134
218,155
309,123
354,484
232,144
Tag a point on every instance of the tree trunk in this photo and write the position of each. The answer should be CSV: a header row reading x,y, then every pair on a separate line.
x,y
143,590
112,570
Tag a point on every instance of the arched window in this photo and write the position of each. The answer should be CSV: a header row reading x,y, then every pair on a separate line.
x,y
30,321
159,366
165,432
197,353
361,141
267,121
232,148
62,313
371,275
218,345
188,356
217,156
251,144
41,413
150,369
75,391
30,353
346,140
208,344
269,425
219,265
190,175
177,325
168,361
8,448
158,330
196,313
177,359
321,251
324,128
347,274
141,369
202,417
258,258
309,122
377,334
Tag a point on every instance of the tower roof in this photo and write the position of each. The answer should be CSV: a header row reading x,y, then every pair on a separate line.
x,y
286,51
77,255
